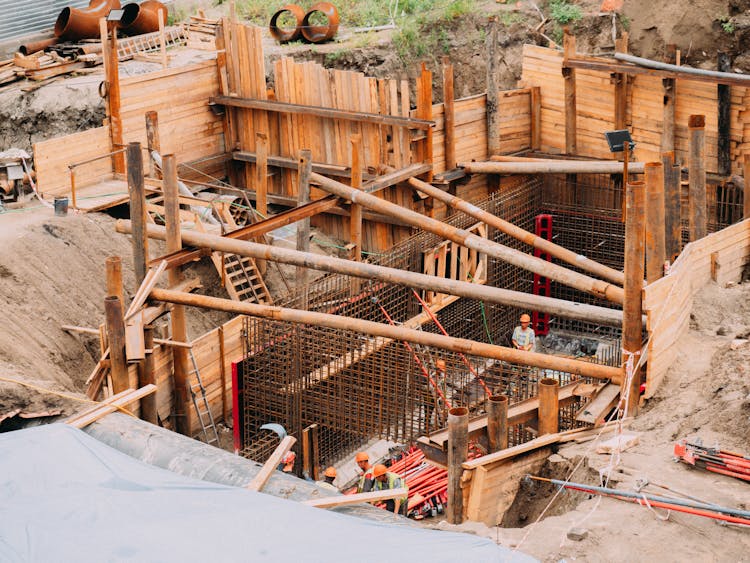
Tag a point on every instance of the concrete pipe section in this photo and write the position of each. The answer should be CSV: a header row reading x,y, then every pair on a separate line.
x,y
137,20
321,33
74,23
287,34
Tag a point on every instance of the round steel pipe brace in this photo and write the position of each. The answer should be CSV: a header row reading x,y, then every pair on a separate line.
x,y
551,167
497,423
533,359
458,451
549,406
464,238
523,235
560,307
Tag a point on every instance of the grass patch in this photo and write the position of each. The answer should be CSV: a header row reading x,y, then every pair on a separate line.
x,y
564,13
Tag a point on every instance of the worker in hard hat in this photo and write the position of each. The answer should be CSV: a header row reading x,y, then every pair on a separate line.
x,y
287,463
365,479
523,336
328,476
386,480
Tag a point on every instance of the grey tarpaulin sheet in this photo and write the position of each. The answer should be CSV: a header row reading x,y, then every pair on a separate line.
x,y
65,496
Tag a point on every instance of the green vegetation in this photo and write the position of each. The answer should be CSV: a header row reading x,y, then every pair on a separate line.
x,y
625,21
727,25
332,58
509,18
564,13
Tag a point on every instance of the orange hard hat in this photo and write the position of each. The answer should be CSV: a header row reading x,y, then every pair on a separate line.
x,y
330,472
440,364
362,456
379,470
525,318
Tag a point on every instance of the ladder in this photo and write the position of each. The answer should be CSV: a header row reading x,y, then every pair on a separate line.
x,y
200,403
127,48
243,280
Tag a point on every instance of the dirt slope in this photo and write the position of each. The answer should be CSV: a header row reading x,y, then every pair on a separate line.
x,y
706,395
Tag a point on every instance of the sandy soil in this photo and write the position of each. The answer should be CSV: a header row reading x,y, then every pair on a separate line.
x,y
706,395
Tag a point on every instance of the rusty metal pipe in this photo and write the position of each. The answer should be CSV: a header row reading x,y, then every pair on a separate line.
x,y
458,452
137,20
570,278
285,35
548,406
321,33
34,46
83,23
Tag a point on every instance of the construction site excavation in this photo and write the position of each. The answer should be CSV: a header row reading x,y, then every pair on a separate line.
x,y
263,305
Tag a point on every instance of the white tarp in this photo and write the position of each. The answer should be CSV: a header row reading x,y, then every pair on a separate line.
x,y
64,496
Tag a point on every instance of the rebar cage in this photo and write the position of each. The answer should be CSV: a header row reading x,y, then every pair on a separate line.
x,y
358,388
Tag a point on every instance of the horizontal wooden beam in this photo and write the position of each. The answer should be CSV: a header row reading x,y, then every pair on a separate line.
x,y
285,107
292,164
357,498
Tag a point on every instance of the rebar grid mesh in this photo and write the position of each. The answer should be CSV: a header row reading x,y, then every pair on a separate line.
x,y
357,387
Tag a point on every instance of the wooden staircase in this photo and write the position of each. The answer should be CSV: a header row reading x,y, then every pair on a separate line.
x,y
242,279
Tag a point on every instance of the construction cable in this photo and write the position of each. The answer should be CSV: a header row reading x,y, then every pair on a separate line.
x,y
414,354
461,355
733,515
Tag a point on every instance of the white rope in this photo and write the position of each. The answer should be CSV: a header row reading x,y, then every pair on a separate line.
x,y
651,508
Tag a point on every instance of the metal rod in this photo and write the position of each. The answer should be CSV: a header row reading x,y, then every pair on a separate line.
x,y
697,177
464,238
481,349
497,423
572,258
559,307
458,451
549,406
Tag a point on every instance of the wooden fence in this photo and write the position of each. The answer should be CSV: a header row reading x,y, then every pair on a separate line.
x,y
595,111
721,256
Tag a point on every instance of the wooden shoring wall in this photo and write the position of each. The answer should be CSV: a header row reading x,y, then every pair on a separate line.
x,y
52,157
206,349
595,94
667,302
187,126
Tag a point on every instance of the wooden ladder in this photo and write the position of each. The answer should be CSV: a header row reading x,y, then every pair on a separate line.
x,y
243,281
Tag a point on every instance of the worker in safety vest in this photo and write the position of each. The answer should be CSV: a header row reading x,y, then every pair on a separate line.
x,y
328,476
523,336
385,480
365,479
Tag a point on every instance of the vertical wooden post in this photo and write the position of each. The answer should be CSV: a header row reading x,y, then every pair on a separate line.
x,y
152,142
449,111
113,100
458,451
355,218
306,453
668,100
497,423
315,452
621,86
493,91
632,323
146,376
179,328
114,278
725,101
746,194
162,40
223,376
536,118
118,363
424,111
137,191
672,206
261,184
303,226
656,253
73,202
571,126
549,406
697,177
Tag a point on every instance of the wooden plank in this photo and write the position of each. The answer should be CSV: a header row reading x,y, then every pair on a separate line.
x,y
357,498
260,480
599,405
105,409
